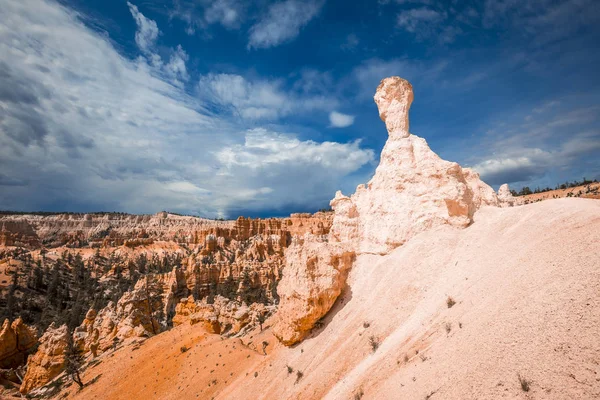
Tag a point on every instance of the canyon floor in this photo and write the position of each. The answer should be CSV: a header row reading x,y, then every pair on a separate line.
x,y
526,315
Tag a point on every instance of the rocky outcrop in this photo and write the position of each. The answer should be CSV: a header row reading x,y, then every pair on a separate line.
x,y
16,341
222,316
18,233
413,190
483,194
49,361
140,312
314,277
505,197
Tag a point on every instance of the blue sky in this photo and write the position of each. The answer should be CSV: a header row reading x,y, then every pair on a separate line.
x,y
223,107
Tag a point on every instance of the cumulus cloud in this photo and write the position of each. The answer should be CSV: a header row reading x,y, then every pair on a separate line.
x,y
303,169
339,120
83,127
282,22
528,165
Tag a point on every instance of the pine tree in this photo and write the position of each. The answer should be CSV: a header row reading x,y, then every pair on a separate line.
x,y
73,361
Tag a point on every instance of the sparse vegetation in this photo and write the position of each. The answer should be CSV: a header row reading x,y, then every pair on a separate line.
x,y
299,375
448,327
289,369
374,343
359,394
450,302
567,185
525,383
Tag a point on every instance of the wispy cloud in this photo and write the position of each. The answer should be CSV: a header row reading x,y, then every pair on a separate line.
x,y
201,14
147,31
282,22
259,99
145,37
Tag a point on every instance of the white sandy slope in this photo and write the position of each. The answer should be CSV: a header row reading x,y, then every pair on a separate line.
x,y
527,285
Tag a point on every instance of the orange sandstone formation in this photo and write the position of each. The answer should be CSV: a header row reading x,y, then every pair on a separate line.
x,y
16,340
49,361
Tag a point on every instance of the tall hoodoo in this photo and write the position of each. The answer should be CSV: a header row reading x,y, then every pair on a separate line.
x,y
413,190
393,98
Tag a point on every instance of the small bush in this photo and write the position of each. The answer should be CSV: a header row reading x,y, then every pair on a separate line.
x,y
289,369
183,349
299,375
256,374
450,302
448,327
359,394
374,342
366,324
525,383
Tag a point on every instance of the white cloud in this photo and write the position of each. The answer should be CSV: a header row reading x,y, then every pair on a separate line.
x,y
418,19
282,22
258,99
147,31
84,128
225,12
339,120
145,37
201,14
534,150
176,68
527,165
302,171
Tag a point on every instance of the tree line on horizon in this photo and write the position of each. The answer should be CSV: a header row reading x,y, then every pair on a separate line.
x,y
526,190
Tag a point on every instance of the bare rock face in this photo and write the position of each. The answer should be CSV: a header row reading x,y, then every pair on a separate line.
x,y
18,233
314,277
222,316
16,340
413,190
483,194
505,196
393,98
49,361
